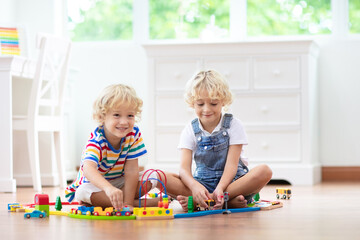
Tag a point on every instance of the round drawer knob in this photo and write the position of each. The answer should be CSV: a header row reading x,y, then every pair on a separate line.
x,y
265,145
276,72
264,109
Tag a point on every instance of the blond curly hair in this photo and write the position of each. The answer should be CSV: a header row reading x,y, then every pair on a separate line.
x,y
212,82
115,96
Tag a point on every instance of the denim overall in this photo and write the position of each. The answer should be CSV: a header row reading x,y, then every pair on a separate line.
x,y
211,153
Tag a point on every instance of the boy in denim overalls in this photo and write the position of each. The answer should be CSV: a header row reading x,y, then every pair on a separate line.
x,y
214,141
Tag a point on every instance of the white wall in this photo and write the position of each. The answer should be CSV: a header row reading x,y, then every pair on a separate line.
x,y
35,16
100,64
7,13
339,76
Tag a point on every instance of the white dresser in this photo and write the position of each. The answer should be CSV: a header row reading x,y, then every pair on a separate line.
x,y
275,89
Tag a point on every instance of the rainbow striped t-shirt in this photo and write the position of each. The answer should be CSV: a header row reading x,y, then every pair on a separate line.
x,y
109,160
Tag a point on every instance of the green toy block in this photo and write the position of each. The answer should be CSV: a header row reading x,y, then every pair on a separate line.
x,y
190,204
44,208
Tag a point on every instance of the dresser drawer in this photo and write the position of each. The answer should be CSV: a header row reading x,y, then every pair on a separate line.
x,y
276,72
172,110
267,108
273,146
173,74
235,70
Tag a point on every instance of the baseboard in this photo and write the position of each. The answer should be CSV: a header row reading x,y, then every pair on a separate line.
x,y
295,173
7,185
47,180
25,180
341,174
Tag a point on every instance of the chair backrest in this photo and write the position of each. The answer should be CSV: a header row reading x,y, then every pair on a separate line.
x,y
50,76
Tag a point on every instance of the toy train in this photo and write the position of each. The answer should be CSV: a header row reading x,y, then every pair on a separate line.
x,y
98,211
210,205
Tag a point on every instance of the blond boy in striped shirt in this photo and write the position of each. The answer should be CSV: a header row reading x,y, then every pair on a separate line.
x,y
109,173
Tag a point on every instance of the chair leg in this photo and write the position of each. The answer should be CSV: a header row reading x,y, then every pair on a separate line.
x,y
33,148
59,153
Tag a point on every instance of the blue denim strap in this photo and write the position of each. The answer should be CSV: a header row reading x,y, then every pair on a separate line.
x,y
195,126
227,120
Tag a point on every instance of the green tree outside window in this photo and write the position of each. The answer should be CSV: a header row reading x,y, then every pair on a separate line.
x,y
99,20
354,16
288,17
186,19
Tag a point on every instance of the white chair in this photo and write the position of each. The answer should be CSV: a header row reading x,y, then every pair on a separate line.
x,y
46,104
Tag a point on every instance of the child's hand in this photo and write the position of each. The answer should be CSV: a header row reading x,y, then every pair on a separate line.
x,y
200,195
218,196
116,196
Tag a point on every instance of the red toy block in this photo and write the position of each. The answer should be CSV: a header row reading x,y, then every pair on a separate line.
x,y
41,199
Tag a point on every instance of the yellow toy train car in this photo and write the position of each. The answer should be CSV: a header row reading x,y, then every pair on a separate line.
x,y
283,193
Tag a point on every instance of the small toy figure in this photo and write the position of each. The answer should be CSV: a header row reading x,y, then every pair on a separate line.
x,y
283,193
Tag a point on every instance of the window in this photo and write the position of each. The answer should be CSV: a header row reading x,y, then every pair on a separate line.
x,y
183,19
99,20
354,16
288,17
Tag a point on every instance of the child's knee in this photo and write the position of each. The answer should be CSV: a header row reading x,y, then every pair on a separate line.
x,y
170,175
266,172
263,173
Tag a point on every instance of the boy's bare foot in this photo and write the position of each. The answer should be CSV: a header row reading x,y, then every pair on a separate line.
x,y
183,202
238,202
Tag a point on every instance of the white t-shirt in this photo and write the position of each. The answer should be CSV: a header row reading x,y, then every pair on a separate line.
x,y
236,133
